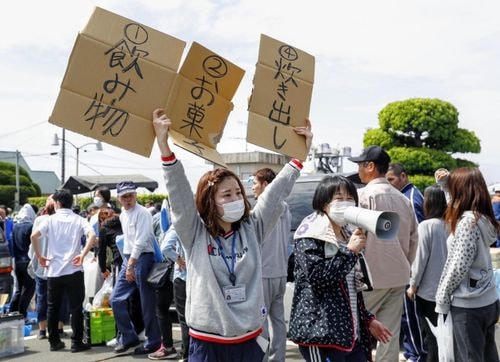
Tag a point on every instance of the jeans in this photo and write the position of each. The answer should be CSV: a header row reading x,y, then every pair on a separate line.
x,y
120,301
474,333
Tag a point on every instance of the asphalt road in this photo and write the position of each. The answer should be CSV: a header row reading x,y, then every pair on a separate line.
x,y
38,351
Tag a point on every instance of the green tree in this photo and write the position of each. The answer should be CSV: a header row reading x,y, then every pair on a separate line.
x,y
422,134
8,185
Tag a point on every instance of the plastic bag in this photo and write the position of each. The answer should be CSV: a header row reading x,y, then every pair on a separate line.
x,y
92,276
102,297
444,337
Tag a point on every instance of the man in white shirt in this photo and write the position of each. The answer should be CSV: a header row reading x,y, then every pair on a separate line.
x,y
63,260
138,251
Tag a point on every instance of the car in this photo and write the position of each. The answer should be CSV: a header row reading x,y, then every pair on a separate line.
x,y
300,205
6,280
300,199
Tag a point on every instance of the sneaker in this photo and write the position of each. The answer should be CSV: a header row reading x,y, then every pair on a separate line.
x,y
163,353
57,346
142,335
42,335
112,343
79,347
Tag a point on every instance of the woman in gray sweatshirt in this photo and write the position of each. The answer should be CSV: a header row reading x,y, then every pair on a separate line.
x,y
225,306
428,265
467,285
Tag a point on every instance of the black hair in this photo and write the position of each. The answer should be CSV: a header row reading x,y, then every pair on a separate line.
x,y
328,187
64,197
396,168
104,192
265,174
434,202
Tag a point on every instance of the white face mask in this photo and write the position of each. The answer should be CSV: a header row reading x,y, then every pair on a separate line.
x,y
98,201
336,212
233,211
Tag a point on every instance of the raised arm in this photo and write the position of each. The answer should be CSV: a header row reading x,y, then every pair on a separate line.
x,y
184,212
161,124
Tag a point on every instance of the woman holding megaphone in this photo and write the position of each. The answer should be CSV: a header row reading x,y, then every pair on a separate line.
x,y
329,320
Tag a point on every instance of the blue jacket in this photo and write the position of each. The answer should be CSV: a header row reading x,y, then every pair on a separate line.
x,y
417,200
21,241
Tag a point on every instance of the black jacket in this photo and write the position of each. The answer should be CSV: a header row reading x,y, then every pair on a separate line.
x,y
107,235
321,311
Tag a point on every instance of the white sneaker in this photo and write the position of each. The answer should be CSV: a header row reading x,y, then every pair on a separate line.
x,y
112,343
142,336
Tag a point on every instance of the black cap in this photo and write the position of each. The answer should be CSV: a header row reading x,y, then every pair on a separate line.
x,y
375,154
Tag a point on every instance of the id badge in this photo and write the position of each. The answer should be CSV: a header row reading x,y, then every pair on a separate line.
x,y
235,293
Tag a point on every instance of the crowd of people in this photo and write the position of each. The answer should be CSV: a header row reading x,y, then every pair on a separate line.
x,y
227,265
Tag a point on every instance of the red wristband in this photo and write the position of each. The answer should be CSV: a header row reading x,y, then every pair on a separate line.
x,y
168,158
297,163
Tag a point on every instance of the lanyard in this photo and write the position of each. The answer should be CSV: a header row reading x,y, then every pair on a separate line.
x,y
232,276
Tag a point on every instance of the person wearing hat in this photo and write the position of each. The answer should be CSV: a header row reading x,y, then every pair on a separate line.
x,y
138,250
389,260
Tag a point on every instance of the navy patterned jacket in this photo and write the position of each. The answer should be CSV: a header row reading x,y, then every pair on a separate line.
x,y
321,312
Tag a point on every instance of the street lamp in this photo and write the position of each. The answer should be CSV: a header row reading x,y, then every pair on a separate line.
x,y
55,142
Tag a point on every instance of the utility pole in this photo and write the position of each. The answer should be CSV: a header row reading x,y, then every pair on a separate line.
x,y
18,191
63,155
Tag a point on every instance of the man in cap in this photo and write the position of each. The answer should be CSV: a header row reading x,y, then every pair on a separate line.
x,y
389,260
138,251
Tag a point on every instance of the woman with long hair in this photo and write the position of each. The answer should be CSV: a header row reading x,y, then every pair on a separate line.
x,y
467,285
222,239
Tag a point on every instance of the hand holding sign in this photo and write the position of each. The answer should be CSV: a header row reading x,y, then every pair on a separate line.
x,y
306,132
161,124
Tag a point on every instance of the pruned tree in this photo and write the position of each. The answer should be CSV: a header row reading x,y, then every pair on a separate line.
x,y
423,134
27,187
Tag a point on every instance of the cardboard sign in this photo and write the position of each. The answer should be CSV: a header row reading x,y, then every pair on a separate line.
x,y
281,98
200,101
118,73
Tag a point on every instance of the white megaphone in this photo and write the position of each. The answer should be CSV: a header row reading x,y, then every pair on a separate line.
x,y
384,224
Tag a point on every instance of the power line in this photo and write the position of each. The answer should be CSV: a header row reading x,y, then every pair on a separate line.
x,y
22,129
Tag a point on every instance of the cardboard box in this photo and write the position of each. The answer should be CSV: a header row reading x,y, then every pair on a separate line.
x,y
200,101
281,98
119,71
11,334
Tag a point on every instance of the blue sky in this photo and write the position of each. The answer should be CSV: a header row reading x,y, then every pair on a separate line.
x,y
368,53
